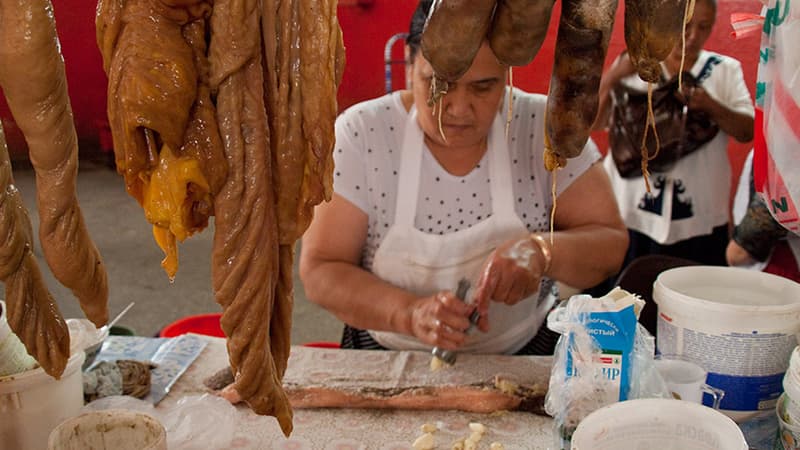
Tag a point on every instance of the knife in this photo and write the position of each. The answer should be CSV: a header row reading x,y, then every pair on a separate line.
x,y
449,356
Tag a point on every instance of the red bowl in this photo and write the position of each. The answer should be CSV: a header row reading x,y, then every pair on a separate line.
x,y
206,324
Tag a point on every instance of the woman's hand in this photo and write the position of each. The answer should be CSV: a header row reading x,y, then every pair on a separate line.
x,y
736,124
511,273
441,320
736,255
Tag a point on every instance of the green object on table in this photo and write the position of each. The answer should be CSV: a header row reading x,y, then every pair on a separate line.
x,y
119,330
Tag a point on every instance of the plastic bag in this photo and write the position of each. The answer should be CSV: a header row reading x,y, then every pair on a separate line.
x,y
601,348
776,159
195,422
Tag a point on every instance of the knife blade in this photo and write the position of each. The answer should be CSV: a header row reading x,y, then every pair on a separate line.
x,y
449,356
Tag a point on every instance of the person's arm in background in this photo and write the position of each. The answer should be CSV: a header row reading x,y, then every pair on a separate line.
x,y
754,238
738,125
620,68
589,245
733,112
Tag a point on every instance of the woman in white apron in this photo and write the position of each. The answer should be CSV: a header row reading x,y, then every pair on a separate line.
x,y
414,212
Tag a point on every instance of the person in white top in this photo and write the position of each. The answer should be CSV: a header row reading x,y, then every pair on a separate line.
x,y
413,213
686,214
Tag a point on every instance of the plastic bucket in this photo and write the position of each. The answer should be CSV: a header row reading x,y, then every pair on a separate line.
x,y
740,325
206,324
32,403
788,434
656,423
111,429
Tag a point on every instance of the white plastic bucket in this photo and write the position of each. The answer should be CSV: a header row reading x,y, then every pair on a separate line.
x,y
113,429
740,325
788,434
657,423
32,403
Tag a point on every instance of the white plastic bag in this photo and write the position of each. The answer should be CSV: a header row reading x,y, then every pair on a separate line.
x,y
586,377
197,422
776,160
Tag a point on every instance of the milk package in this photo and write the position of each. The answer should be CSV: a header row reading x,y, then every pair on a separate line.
x,y
601,345
614,332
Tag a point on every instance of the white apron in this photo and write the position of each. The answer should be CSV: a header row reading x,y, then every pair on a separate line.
x,y
428,263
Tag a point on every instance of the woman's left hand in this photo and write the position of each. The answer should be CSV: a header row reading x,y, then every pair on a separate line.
x,y
697,99
511,273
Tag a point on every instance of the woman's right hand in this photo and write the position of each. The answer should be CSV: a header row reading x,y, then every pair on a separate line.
x,y
441,320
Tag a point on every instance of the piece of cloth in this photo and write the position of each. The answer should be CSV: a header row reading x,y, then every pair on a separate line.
x,y
692,198
367,156
425,262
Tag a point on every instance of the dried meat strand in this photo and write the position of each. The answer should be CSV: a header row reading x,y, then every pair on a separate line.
x,y
318,70
32,312
245,259
33,79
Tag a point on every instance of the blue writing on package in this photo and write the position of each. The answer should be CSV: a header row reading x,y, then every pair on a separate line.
x,y
614,333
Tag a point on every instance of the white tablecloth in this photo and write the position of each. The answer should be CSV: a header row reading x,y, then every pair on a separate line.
x,y
351,429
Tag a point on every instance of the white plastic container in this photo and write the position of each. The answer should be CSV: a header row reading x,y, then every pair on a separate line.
x,y
32,403
788,434
13,356
739,325
656,423
114,429
791,386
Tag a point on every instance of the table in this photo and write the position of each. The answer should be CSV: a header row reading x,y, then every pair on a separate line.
x,y
352,429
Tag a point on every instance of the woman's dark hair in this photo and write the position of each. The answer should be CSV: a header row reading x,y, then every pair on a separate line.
x,y
414,38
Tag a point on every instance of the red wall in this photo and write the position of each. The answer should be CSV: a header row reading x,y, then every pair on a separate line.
x,y
367,25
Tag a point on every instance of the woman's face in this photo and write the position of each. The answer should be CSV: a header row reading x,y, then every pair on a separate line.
x,y
698,31
470,105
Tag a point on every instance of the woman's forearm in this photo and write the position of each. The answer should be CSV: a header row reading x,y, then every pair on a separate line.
x,y
584,256
735,124
358,297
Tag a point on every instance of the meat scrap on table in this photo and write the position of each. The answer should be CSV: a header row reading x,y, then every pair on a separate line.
x,y
226,108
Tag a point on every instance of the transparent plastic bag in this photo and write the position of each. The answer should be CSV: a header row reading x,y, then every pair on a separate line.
x,y
584,376
195,422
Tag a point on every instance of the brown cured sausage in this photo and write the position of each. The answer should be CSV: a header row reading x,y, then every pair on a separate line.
x,y
518,29
583,33
452,36
652,29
